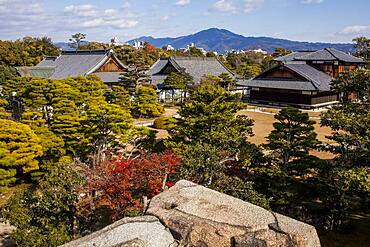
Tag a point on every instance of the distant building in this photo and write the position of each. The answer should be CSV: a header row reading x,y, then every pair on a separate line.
x,y
258,51
168,48
197,67
102,63
192,45
115,41
302,79
139,45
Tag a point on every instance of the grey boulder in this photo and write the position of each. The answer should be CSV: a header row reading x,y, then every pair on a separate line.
x,y
144,231
198,216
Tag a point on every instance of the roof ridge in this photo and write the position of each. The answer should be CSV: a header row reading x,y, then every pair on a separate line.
x,y
328,49
193,58
104,60
175,64
78,52
316,84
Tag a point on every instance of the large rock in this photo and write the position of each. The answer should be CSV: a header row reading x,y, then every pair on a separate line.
x,y
5,231
144,231
198,216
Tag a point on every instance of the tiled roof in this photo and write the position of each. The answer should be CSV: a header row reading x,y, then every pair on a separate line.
x,y
197,67
43,72
327,54
292,56
75,63
319,79
314,80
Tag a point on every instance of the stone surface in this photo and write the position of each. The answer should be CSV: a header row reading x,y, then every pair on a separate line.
x,y
5,231
144,231
198,216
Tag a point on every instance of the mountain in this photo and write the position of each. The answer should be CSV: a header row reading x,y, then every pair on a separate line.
x,y
221,40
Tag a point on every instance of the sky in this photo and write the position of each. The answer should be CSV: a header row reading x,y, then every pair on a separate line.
x,y
302,20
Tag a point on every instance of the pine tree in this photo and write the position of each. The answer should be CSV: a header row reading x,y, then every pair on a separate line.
x,y
294,135
146,103
133,78
177,81
119,96
66,124
210,117
226,81
104,125
19,148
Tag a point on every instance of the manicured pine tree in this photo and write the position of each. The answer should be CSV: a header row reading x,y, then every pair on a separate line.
x,y
177,81
226,81
104,125
66,124
133,78
19,149
210,117
146,103
293,135
119,96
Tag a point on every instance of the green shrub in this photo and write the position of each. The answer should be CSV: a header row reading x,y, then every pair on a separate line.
x,y
165,123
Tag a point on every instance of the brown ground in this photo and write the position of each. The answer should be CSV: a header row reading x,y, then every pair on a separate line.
x,y
263,126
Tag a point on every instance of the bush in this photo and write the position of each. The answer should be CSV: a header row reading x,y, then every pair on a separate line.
x,y
44,214
165,123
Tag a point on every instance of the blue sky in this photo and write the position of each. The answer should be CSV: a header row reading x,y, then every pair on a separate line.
x,y
304,20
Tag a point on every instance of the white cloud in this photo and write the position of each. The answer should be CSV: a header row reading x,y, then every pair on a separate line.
x,y
355,30
82,10
29,17
164,18
312,1
183,2
224,6
251,5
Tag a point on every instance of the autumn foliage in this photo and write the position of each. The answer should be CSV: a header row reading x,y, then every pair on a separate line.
x,y
120,185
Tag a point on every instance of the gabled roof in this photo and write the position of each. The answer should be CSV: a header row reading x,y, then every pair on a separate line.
x,y
327,54
74,63
44,72
197,67
312,79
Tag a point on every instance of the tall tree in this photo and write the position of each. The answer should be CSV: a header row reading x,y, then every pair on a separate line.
x,y
119,96
350,121
226,81
177,81
76,40
104,125
133,78
210,117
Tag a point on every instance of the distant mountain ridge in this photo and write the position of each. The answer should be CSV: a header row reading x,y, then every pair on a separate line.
x,y
221,40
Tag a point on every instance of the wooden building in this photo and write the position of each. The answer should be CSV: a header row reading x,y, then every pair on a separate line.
x,y
302,79
102,63
197,67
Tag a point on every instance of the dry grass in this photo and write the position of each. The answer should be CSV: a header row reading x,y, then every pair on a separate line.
x,y
263,126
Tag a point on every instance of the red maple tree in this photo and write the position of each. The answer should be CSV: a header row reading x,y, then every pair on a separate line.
x,y
121,184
